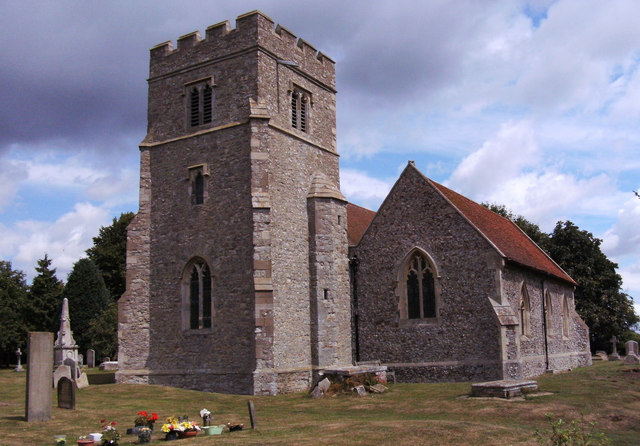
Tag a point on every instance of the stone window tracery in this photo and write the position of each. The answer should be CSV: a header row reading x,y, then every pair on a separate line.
x,y
197,178
418,288
565,317
197,298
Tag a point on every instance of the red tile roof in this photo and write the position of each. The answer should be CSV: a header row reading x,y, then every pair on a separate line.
x,y
504,234
358,220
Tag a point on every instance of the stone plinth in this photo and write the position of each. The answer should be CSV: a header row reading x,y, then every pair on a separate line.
x,y
380,371
39,372
504,388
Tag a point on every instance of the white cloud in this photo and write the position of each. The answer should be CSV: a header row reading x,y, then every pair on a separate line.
x,y
359,187
623,238
11,174
64,240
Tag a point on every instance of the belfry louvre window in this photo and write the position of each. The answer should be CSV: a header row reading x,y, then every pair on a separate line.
x,y
300,102
200,103
199,300
418,288
197,177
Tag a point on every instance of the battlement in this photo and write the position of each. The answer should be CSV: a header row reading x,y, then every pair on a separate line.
x,y
253,29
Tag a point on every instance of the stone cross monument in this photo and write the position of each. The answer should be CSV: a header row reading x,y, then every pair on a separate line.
x,y
65,346
19,366
614,356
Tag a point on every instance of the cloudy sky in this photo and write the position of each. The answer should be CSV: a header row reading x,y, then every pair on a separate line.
x,y
530,104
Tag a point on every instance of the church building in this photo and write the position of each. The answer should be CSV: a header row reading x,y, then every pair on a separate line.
x,y
249,272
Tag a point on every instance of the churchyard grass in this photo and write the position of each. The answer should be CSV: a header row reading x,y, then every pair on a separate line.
x,y
607,393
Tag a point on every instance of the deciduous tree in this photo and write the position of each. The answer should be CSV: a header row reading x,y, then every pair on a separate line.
x,y
13,294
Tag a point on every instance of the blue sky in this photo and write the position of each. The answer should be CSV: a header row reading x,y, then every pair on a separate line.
x,y
530,104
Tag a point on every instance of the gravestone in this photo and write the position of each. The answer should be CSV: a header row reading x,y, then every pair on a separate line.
x,y
80,360
66,394
82,381
19,366
65,346
91,358
602,355
109,365
60,372
39,371
631,347
75,371
614,356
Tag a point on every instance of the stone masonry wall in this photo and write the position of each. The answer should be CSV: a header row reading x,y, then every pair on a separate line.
x,y
464,342
564,352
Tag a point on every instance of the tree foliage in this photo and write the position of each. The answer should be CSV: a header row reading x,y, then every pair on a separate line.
x,y
532,230
13,295
88,298
44,299
109,253
599,298
103,332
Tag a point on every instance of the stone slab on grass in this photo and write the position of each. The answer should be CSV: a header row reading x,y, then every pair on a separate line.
x,y
506,388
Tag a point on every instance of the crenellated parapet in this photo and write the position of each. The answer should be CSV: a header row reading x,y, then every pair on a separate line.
x,y
253,31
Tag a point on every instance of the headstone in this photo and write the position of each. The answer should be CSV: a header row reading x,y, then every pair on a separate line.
x,y
109,365
631,347
614,356
602,355
19,366
82,381
106,359
324,385
39,371
61,371
632,359
80,360
66,394
361,390
65,346
317,393
74,368
91,358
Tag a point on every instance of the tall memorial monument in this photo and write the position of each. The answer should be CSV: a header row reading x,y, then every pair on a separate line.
x,y
65,346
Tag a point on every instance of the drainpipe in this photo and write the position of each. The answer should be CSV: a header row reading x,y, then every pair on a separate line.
x,y
544,326
353,264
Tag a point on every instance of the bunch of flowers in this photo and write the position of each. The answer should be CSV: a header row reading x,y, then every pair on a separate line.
x,y
179,424
206,416
110,434
144,419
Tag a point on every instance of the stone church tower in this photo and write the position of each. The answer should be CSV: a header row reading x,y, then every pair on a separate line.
x,y
237,265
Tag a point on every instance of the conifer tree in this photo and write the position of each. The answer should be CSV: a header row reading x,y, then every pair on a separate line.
x,y
109,253
88,298
45,299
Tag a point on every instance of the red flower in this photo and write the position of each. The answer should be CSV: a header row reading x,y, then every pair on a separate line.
x,y
113,423
103,421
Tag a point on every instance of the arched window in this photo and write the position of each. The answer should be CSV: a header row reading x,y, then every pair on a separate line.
x,y
565,317
525,312
300,101
200,99
418,287
198,188
198,308
548,311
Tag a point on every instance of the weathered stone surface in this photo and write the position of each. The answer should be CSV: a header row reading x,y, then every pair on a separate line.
x,y
324,385
631,347
360,390
61,371
317,392
82,381
503,388
66,393
109,365
39,371
91,358
631,359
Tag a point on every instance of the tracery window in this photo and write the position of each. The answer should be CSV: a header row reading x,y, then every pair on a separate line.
x,y
300,102
525,312
418,288
198,308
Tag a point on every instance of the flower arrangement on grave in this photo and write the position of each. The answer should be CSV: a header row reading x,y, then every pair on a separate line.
x,y
177,427
144,435
110,434
146,420
206,417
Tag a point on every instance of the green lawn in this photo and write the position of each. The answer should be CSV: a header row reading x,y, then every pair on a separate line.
x,y
411,414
